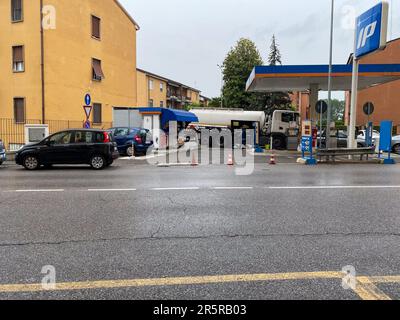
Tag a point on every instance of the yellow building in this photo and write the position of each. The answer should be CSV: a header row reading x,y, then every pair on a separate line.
x,y
157,91
80,47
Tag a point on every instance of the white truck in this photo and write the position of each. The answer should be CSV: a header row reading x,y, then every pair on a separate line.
x,y
277,128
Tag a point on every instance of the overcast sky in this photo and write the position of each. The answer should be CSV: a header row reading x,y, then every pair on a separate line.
x,y
186,39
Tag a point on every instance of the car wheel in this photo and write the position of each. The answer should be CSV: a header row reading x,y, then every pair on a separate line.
x,y
130,151
396,148
98,162
31,163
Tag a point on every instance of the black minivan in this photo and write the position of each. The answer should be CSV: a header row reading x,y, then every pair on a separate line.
x,y
76,146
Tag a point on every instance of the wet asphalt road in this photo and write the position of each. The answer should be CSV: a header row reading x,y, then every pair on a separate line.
x,y
137,221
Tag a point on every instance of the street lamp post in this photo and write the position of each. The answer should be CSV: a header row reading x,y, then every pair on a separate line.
x,y
329,116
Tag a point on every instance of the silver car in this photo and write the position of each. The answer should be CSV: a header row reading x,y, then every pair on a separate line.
x,y
396,144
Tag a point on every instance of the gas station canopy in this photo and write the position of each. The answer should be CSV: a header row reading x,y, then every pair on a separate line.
x,y
300,78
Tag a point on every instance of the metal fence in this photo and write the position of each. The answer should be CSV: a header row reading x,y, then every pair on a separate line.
x,y
13,134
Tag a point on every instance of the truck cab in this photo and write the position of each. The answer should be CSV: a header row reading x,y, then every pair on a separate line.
x,y
282,125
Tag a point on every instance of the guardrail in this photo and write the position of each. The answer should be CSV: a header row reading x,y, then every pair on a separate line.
x,y
333,153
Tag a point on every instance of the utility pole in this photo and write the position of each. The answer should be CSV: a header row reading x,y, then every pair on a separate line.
x,y
329,116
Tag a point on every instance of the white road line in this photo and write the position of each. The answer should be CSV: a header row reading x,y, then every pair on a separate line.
x,y
39,190
171,189
332,187
233,188
110,190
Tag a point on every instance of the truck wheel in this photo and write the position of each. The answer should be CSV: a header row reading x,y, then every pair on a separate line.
x,y
278,143
396,148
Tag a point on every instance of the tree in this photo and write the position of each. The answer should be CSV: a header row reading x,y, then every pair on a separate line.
x,y
276,100
237,67
338,109
275,57
215,103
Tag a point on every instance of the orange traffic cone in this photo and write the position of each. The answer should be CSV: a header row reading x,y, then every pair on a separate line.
x,y
272,160
230,160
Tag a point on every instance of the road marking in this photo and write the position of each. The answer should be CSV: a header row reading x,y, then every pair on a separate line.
x,y
367,290
172,189
332,187
387,279
39,190
178,281
110,190
233,188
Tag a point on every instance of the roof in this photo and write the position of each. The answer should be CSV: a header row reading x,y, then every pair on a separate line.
x,y
299,78
169,81
168,115
127,14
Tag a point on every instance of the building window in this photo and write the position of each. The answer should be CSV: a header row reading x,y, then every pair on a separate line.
x,y
98,74
19,110
16,10
162,104
151,103
161,87
18,59
96,22
97,113
151,84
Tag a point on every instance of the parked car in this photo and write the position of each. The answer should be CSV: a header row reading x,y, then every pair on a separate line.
x,y
78,146
362,134
342,138
132,141
396,144
2,153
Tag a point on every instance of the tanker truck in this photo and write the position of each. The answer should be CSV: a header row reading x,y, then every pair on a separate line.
x,y
275,130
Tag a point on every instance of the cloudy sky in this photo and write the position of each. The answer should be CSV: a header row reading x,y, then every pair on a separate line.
x,y
186,39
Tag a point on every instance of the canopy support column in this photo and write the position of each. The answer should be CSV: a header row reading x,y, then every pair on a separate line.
x,y
314,88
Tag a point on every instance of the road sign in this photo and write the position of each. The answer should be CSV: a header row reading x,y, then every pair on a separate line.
x,y
88,111
88,99
86,124
371,30
321,107
370,35
369,108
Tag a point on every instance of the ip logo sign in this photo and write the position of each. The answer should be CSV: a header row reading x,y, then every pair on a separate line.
x,y
371,30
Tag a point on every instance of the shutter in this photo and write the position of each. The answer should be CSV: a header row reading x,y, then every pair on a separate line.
x,y
18,54
97,113
96,27
97,69
19,110
17,4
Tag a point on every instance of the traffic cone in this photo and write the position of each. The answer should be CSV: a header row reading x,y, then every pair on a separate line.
x,y
272,160
230,160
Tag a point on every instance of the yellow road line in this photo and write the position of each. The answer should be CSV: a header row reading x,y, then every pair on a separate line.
x,y
114,284
387,279
367,290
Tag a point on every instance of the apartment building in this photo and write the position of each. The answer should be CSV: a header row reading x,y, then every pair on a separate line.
x,y
54,52
158,91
